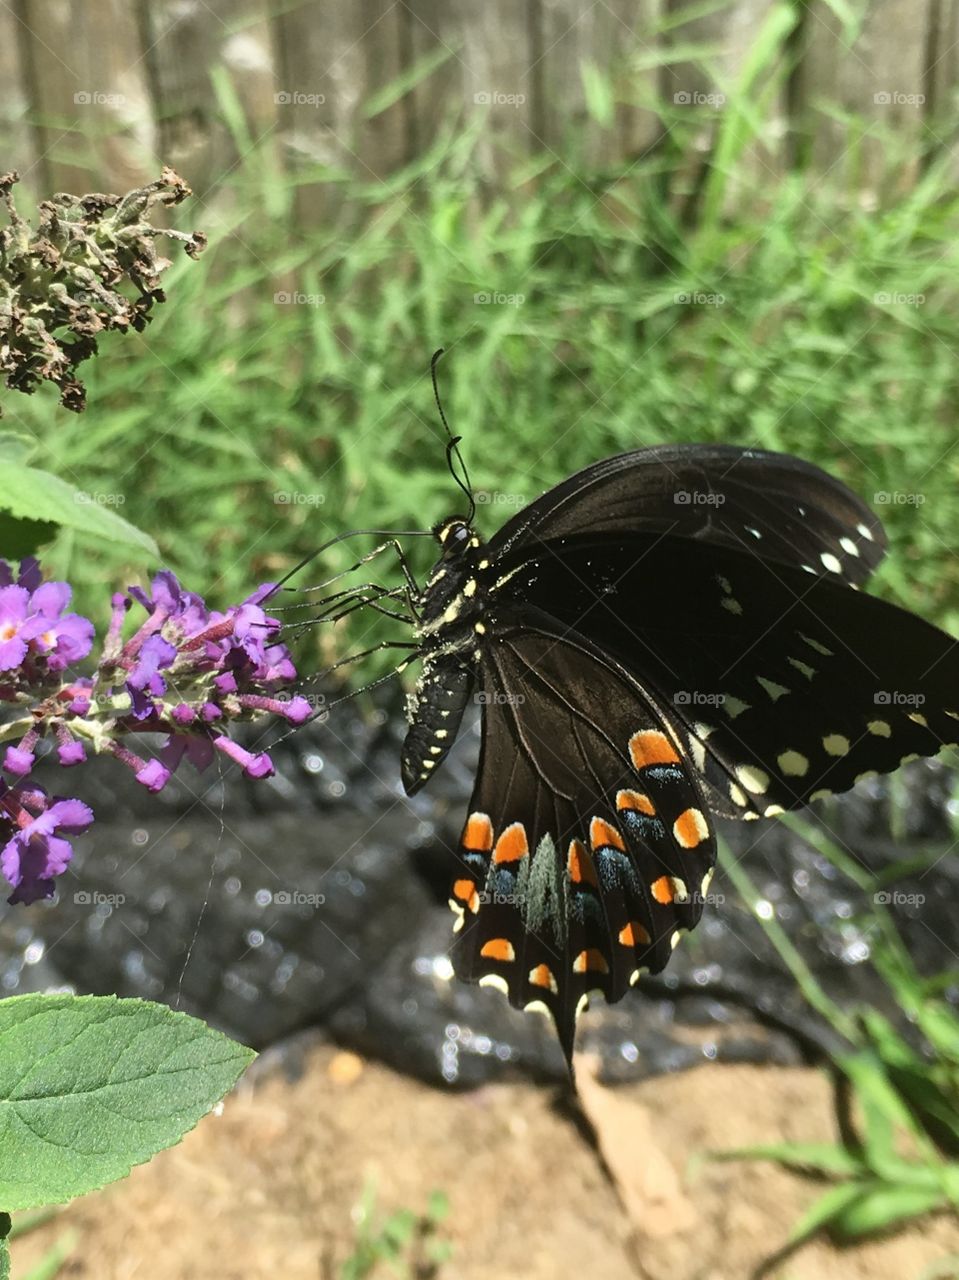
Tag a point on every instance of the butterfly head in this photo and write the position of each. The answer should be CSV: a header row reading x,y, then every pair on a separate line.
x,y
456,536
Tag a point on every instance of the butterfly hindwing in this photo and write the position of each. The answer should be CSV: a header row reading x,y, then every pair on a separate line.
x,y
588,842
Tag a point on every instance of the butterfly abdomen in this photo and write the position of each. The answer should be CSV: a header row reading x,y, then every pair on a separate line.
x,y
434,711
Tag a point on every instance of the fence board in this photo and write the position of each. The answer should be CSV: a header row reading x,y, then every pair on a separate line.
x,y
437,99
330,61
247,55
724,39
942,59
881,75
48,54
181,40
514,68
573,38
17,152
497,54
93,124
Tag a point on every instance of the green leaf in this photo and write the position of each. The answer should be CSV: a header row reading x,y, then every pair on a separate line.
x,y
4,1261
55,1258
28,493
438,1207
824,1210
19,538
91,1086
821,1157
15,447
878,1208
598,93
420,70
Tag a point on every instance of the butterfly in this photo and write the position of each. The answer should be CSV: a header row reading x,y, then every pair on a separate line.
x,y
668,636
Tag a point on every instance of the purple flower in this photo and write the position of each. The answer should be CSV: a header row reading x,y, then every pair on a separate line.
x,y
18,761
71,752
145,679
30,624
254,766
199,752
14,605
185,672
35,854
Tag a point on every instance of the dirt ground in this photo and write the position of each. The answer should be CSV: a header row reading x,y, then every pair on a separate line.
x,y
268,1187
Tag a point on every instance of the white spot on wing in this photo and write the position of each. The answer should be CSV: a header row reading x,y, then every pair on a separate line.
x,y
754,780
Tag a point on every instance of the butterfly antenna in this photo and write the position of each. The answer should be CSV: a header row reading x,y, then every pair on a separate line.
x,y
452,447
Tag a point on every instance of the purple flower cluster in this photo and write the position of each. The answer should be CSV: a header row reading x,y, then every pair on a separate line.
x,y
37,638
187,672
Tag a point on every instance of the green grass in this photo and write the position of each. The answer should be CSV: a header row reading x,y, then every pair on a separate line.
x,y
403,1243
897,1157
230,398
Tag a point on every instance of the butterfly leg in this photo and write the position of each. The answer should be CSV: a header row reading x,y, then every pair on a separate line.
x,y
344,601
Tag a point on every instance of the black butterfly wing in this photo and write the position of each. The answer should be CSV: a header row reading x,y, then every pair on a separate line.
x,y
787,510
588,846
788,686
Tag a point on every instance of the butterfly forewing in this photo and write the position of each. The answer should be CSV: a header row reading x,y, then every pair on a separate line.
x,y
789,687
783,508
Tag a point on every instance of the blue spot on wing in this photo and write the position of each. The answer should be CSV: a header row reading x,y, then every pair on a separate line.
x,y
643,826
665,773
615,871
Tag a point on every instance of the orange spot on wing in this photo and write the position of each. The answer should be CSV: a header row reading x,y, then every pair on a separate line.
x,y
690,829
602,835
542,976
590,961
465,890
635,800
662,890
478,833
634,935
498,949
580,865
649,746
512,844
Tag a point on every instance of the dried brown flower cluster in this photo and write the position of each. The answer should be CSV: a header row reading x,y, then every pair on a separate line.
x,y
60,285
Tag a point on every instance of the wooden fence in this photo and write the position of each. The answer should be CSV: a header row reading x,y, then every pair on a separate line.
x,y
94,94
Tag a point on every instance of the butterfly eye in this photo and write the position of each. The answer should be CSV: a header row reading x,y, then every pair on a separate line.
x,y
460,533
